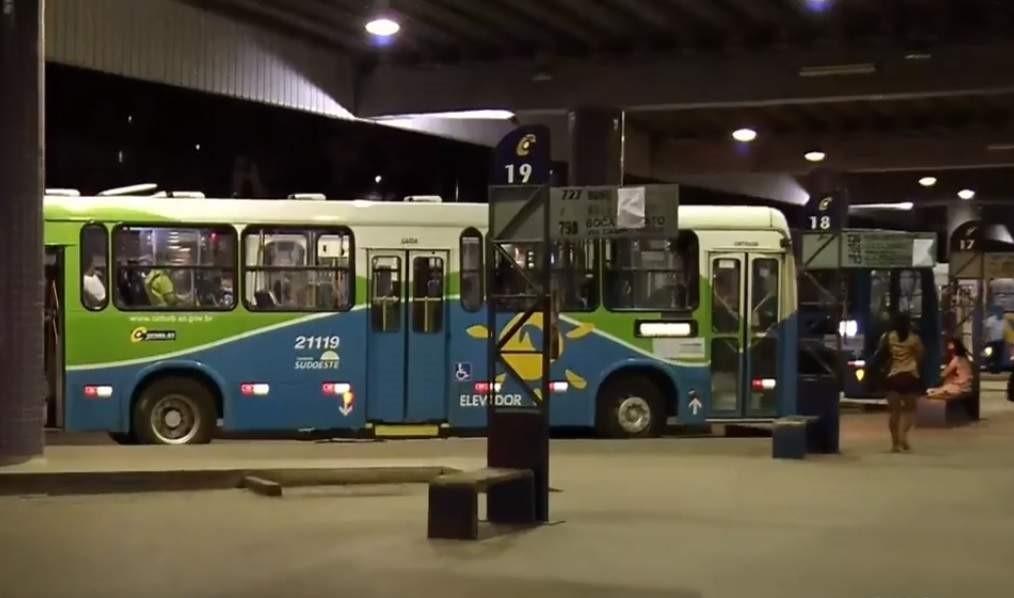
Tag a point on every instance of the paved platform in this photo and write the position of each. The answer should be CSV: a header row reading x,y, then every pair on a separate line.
x,y
668,517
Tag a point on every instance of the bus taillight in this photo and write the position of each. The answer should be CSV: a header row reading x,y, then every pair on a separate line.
x,y
335,389
251,389
762,384
98,392
483,387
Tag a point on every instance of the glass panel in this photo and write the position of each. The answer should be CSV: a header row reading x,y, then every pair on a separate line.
x,y
471,270
764,365
385,287
910,293
764,288
427,294
574,272
94,267
653,274
725,375
298,270
725,296
175,268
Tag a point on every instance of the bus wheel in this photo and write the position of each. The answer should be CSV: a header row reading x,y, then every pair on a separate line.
x,y
175,410
630,407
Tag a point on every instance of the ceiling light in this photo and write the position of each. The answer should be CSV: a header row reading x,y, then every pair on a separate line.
x,y
815,156
966,194
904,205
928,181
1000,147
837,70
378,179
744,135
383,27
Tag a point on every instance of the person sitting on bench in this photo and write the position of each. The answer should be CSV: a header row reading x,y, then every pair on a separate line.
x,y
957,376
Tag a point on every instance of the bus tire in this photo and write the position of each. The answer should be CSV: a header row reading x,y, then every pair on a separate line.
x,y
175,410
630,407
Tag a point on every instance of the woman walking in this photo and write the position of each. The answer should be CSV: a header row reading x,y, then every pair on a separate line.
x,y
903,351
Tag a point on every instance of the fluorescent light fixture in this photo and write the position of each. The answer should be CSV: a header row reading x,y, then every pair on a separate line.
x,y
837,70
928,181
64,192
481,114
1000,147
918,56
383,27
129,190
313,196
966,194
903,205
815,156
664,329
744,135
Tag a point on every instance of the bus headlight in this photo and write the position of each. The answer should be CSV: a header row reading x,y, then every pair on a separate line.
x,y
848,328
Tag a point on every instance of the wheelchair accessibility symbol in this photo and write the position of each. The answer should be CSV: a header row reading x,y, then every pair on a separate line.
x,y
462,372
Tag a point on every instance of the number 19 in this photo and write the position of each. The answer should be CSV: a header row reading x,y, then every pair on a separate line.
x,y
525,170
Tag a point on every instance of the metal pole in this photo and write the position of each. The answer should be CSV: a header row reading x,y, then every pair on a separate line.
x,y
22,408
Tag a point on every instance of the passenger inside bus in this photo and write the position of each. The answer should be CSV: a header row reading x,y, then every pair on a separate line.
x,y
94,289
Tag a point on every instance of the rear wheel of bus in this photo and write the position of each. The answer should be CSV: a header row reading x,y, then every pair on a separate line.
x,y
175,410
630,407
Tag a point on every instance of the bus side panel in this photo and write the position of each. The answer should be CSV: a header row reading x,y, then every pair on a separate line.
x,y
294,359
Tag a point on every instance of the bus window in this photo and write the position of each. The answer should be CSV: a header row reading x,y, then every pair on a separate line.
x,y
385,294
652,274
910,293
764,295
427,294
94,267
725,296
298,270
574,268
470,269
171,268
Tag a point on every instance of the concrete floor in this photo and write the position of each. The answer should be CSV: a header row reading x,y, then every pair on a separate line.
x,y
669,517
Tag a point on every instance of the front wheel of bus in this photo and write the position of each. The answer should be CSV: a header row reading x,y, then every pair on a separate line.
x,y
630,408
175,410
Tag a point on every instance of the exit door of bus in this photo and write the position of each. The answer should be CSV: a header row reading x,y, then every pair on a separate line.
x,y
745,317
407,337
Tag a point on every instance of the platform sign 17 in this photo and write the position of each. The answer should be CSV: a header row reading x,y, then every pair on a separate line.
x,y
523,157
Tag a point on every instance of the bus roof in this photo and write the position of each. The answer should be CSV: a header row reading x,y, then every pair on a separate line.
x,y
153,210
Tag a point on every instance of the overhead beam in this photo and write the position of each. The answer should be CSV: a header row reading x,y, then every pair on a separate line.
x,y
883,152
674,83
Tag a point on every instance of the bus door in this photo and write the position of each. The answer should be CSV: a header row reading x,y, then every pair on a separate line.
x,y
407,338
53,337
745,317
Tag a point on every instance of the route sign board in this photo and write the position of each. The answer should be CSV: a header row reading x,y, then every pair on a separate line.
x,y
869,249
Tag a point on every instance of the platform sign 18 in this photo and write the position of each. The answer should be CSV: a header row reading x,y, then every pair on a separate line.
x,y
523,157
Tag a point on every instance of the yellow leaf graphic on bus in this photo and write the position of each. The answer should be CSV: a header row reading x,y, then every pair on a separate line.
x,y
538,393
575,380
581,330
478,331
500,378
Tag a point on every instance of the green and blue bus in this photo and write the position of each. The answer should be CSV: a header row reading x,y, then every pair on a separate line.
x,y
171,319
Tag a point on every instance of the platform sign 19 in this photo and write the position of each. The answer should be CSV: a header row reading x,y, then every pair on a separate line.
x,y
523,157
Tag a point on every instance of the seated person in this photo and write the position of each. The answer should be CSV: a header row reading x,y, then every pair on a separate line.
x,y
957,376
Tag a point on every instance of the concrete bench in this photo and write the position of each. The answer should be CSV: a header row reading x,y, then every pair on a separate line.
x,y
943,412
454,501
789,436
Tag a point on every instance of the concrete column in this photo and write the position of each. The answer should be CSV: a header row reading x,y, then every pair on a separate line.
x,y
596,146
21,269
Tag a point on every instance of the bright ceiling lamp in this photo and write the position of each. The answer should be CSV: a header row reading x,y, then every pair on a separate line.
x,y
928,181
382,27
966,194
815,156
744,135
903,205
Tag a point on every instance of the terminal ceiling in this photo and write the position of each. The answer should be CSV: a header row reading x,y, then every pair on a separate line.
x,y
881,86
